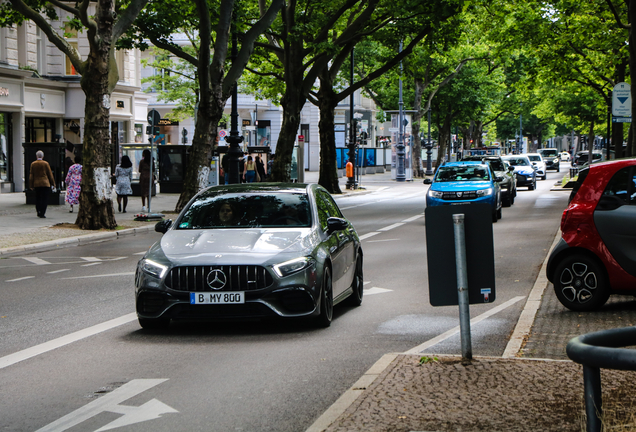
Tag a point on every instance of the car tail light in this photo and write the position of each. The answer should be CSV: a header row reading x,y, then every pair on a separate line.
x,y
564,218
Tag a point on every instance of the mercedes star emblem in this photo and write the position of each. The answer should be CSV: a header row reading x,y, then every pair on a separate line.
x,y
216,279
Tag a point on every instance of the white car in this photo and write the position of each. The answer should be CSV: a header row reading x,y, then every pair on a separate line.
x,y
565,156
539,164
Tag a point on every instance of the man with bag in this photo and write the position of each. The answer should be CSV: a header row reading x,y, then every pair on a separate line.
x,y
41,180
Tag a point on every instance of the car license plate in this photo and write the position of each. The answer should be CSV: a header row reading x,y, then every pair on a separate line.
x,y
218,298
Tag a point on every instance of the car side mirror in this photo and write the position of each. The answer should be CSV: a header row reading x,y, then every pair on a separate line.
x,y
511,168
499,179
609,202
163,226
336,224
428,181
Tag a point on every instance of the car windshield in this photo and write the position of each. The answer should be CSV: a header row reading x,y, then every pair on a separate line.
x,y
549,153
462,173
247,210
496,164
518,161
535,158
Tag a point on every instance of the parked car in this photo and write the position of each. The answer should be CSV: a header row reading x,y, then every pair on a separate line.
x,y
255,250
596,255
538,163
501,169
551,158
465,182
565,156
581,158
525,172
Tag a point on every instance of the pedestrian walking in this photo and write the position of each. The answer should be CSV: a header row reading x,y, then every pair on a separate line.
x,y
260,169
42,182
249,173
146,176
123,179
73,183
270,165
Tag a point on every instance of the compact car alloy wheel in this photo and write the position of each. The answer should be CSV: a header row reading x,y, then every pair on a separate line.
x,y
326,300
580,283
355,299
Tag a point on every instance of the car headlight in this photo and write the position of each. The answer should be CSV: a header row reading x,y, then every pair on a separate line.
x,y
292,266
556,160
153,268
484,192
435,194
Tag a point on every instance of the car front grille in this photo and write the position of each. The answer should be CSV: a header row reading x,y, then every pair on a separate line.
x,y
465,195
218,278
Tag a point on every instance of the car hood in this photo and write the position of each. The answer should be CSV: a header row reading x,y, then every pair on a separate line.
x,y
460,185
235,246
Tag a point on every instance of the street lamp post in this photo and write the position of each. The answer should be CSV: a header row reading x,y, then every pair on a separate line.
x,y
429,146
520,145
234,152
351,181
399,148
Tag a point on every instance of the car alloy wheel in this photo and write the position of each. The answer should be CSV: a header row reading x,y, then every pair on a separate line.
x,y
355,299
580,283
326,300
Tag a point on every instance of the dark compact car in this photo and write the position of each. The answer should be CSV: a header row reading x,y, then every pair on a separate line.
x,y
501,169
254,250
596,255
525,172
581,158
552,158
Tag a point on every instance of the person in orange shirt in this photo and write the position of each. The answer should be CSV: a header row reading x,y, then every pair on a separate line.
x,y
41,180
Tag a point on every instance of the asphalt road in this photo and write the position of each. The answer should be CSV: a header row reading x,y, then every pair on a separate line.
x,y
69,333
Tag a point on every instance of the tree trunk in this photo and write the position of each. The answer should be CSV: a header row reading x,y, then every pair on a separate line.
x,y
292,102
328,174
96,205
444,138
415,128
590,142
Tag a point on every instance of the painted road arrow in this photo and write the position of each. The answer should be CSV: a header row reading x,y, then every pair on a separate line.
x,y
110,402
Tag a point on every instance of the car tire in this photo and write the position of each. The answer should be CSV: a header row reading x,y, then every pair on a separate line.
x,y
532,186
154,323
580,283
545,176
355,299
494,216
558,169
499,213
326,300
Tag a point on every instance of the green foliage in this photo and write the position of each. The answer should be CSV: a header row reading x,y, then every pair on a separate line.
x,y
426,359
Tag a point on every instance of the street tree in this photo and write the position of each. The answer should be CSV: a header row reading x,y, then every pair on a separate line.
x,y
104,22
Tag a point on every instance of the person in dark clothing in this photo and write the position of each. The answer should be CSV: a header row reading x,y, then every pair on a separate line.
x,y
225,164
41,180
260,168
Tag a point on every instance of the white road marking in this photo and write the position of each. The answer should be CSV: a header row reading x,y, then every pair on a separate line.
x,y
140,253
378,241
118,259
420,348
99,276
367,235
390,227
151,410
38,261
91,259
91,264
20,279
411,219
28,353
58,271
376,290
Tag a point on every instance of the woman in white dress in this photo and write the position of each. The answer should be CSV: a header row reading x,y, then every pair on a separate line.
x,y
123,175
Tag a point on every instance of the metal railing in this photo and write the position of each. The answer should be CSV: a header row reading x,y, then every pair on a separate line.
x,y
602,349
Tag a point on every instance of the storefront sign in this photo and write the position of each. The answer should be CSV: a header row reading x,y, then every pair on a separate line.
x,y
4,91
167,122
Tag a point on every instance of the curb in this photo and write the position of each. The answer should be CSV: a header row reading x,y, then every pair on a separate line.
x,y
72,241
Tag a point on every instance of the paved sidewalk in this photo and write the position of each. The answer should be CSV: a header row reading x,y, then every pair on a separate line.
x,y
538,389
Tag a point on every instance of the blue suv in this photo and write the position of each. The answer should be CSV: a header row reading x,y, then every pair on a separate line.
x,y
465,182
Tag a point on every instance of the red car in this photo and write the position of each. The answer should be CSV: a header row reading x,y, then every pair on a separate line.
x,y
596,256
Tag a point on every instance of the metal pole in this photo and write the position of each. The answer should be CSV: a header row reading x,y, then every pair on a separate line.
x,y
609,125
593,400
429,146
520,128
351,181
234,152
152,150
462,286
400,151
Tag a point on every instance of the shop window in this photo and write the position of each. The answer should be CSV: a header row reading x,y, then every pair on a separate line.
x,y
5,149
139,132
71,37
40,48
40,129
263,132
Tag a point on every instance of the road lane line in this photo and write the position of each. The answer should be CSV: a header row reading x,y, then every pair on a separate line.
x,y
526,319
91,259
20,279
411,219
99,276
58,271
38,261
91,264
28,353
367,235
390,227
418,349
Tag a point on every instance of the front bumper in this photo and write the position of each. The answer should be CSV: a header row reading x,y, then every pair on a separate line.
x,y
525,180
490,199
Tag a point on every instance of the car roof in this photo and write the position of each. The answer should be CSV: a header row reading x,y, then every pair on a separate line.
x,y
462,163
258,188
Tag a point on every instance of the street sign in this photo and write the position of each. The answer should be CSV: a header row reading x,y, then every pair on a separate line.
x,y
622,100
184,132
621,119
222,133
154,117
393,129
